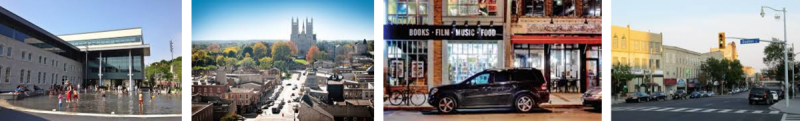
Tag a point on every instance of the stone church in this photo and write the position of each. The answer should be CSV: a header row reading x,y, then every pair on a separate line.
x,y
305,38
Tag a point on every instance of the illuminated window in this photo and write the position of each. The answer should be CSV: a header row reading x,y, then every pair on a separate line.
x,y
472,7
563,7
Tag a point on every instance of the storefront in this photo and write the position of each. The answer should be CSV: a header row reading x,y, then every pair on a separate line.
x,y
568,51
465,50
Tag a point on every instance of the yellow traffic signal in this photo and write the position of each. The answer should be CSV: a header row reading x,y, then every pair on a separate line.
x,y
722,40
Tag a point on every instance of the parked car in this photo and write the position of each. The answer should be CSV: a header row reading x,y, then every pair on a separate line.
x,y
703,93
775,95
638,97
760,95
679,94
658,96
696,94
710,93
520,88
593,98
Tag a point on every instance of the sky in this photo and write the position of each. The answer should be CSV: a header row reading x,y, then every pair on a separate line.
x,y
271,19
160,20
695,24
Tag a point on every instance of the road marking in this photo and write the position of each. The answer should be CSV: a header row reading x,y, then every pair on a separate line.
x,y
679,109
650,109
694,110
774,112
709,110
664,109
790,117
741,111
725,110
758,111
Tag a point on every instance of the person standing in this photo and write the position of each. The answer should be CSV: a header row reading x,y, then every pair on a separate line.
x,y
140,98
60,97
68,90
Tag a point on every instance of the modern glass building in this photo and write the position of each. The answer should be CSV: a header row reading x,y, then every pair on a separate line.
x,y
31,56
114,57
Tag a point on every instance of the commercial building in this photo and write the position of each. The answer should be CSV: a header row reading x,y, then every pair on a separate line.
x,y
643,52
32,56
682,66
114,57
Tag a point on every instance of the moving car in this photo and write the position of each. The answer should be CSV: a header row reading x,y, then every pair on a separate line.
x,y
760,95
638,97
658,96
593,98
520,88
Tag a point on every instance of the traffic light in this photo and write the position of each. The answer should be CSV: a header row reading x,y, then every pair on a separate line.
x,y
722,40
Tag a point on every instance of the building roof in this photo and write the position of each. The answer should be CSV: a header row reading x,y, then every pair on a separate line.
x,y
117,34
37,31
197,107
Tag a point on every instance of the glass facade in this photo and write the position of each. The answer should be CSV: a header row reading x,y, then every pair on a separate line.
x,y
105,41
22,34
466,58
115,65
562,61
407,11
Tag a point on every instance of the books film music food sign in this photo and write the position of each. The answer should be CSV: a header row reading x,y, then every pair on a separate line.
x,y
444,32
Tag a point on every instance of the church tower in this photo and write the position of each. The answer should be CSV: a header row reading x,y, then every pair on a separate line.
x,y
294,29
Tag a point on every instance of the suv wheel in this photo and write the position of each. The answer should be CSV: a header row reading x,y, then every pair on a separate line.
x,y
447,105
524,103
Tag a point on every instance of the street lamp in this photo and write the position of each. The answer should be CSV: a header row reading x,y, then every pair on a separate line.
x,y
785,49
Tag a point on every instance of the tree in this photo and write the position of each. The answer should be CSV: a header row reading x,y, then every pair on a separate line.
x,y
620,75
774,59
230,61
246,51
292,47
247,62
176,64
281,51
260,50
310,56
265,63
202,58
230,51
214,48
723,71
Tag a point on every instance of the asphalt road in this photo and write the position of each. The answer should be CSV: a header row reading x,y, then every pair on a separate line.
x,y
559,114
719,108
14,115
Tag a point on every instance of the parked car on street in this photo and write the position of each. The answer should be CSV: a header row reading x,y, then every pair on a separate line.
x,y
593,98
638,97
679,94
658,96
760,95
710,93
696,94
703,93
520,88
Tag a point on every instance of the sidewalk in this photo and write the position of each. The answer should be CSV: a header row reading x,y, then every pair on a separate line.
x,y
557,100
794,106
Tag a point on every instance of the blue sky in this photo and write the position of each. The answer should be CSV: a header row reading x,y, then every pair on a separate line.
x,y
271,19
694,24
160,19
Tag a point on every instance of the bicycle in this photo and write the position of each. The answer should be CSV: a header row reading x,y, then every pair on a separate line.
x,y
407,96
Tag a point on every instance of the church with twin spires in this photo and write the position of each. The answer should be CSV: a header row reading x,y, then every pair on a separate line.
x,y
305,38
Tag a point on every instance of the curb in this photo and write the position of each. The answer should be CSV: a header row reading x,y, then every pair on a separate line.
x,y
428,108
5,104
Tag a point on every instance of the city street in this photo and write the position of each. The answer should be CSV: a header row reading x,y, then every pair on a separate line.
x,y
285,96
722,108
557,114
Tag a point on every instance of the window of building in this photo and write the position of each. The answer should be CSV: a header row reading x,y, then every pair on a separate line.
x,y
624,44
592,7
29,57
23,55
40,59
407,11
533,7
1,50
8,73
21,75
8,53
1,70
44,77
472,7
39,77
29,77
563,7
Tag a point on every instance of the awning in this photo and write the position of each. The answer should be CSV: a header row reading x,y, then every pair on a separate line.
x,y
539,39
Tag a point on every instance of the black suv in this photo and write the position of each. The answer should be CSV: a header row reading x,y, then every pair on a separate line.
x,y
760,95
520,88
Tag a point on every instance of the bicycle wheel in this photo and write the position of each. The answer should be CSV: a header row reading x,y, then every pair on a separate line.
x,y
418,98
396,98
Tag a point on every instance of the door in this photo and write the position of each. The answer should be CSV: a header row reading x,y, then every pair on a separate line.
x,y
474,93
500,90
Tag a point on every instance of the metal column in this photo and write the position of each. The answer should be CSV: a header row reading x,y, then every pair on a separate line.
x,y
130,71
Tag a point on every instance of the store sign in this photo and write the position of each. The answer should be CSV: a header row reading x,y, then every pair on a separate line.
x,y
681,82
547,28
443,32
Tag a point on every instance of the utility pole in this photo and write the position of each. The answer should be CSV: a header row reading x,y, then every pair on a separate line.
x,y
785,48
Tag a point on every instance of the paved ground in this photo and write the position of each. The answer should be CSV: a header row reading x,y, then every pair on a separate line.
x,y
287,112
720,108
13,115
558,114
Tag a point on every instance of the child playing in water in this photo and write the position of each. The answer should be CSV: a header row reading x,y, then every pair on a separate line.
x,y
60,96
140,98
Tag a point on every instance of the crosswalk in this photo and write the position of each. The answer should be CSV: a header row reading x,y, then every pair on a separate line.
x,y
701,110
791,117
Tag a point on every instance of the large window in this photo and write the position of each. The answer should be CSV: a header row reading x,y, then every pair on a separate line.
x,y
472,7
104,41
8,73
592,7
468,58
533,7
1,50
407,11
563,7
407,61
21,75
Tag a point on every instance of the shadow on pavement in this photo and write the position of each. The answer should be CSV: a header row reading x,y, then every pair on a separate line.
x,y
12,115
485,111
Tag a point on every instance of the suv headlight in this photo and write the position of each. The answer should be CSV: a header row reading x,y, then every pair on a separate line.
x,y
433,91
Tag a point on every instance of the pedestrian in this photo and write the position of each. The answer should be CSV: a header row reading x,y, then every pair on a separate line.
x,y
60,97
68,91
140,98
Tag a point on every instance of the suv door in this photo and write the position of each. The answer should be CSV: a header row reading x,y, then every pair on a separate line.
x,y
501,89
474,93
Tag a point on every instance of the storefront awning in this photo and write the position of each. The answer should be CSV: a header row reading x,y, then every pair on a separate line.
x,y
535,39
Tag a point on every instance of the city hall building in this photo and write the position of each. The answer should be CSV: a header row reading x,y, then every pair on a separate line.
x,y
31,56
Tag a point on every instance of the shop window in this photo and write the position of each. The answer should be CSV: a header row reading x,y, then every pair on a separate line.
x,y
407,11
592,8
407,61
472,7
563,7
466,59
533,7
